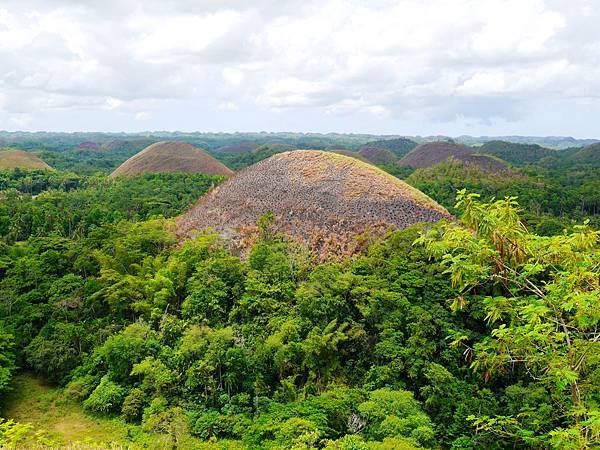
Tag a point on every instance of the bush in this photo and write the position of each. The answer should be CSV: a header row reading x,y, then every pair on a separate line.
x,y
81,387
106,398
133,405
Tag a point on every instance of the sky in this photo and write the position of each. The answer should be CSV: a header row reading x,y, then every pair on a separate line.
x,y
409,67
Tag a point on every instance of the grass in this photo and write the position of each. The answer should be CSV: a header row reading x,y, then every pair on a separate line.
x,y
58,423
414,192
61,423
10,159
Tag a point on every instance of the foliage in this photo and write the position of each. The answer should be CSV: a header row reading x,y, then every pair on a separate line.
x,y
491,343
73,207
552,200
7,358
541,297
106,398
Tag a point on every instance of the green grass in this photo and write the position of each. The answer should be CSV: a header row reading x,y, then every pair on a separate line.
x,y
62,423
59,423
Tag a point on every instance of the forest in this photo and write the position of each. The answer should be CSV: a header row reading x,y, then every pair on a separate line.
x,y
468,334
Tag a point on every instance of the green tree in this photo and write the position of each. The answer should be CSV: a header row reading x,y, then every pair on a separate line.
x,y
541,296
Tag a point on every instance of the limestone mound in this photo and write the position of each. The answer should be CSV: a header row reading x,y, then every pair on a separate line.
x,y
321,199
18,159
171,157
432,153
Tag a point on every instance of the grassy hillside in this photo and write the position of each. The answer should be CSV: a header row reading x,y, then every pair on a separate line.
x,y
59,421
172,157
13,159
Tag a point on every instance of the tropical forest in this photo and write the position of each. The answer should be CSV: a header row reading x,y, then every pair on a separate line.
x,y
298,291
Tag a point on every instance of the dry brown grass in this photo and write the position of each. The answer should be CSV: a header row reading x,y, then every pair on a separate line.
x,y
432,153
322,199
12,159
172,157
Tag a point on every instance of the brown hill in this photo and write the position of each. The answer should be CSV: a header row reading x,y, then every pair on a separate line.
x,y
432,153
319,198
171,157
88,145
13,159
378,155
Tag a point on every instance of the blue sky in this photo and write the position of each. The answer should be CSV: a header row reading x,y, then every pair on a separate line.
x,y
479,67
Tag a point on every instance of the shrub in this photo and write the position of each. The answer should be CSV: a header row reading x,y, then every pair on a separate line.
x,y
106,398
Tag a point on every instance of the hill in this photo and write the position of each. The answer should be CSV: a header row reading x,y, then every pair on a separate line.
x,y
587,155
319,198
378,155
238,161
13,159
352,154
432,153
171,157
88,145
398,146
240,147
516,153
552,142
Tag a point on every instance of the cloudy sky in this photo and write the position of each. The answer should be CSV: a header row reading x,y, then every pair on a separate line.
x,y
453,67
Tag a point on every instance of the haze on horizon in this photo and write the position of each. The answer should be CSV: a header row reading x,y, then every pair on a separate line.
x,y
487,67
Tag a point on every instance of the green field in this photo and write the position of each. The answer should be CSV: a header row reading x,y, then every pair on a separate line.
x,y
59,423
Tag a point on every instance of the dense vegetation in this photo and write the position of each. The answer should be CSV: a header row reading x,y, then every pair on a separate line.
x,y
475,334
553,199
69,205
516,153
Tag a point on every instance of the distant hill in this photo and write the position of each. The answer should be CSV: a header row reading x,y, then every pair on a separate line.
x,y
171,157
378,155
352,154
398,146
13,159
320,198
240,147
89,146
430,154
516,153
554,142
240,160
587,155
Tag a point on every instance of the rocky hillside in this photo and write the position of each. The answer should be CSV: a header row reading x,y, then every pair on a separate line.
x,y
321,199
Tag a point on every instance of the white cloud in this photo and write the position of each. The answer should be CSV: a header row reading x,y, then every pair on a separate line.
x,y
142,115
394,60
228,106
